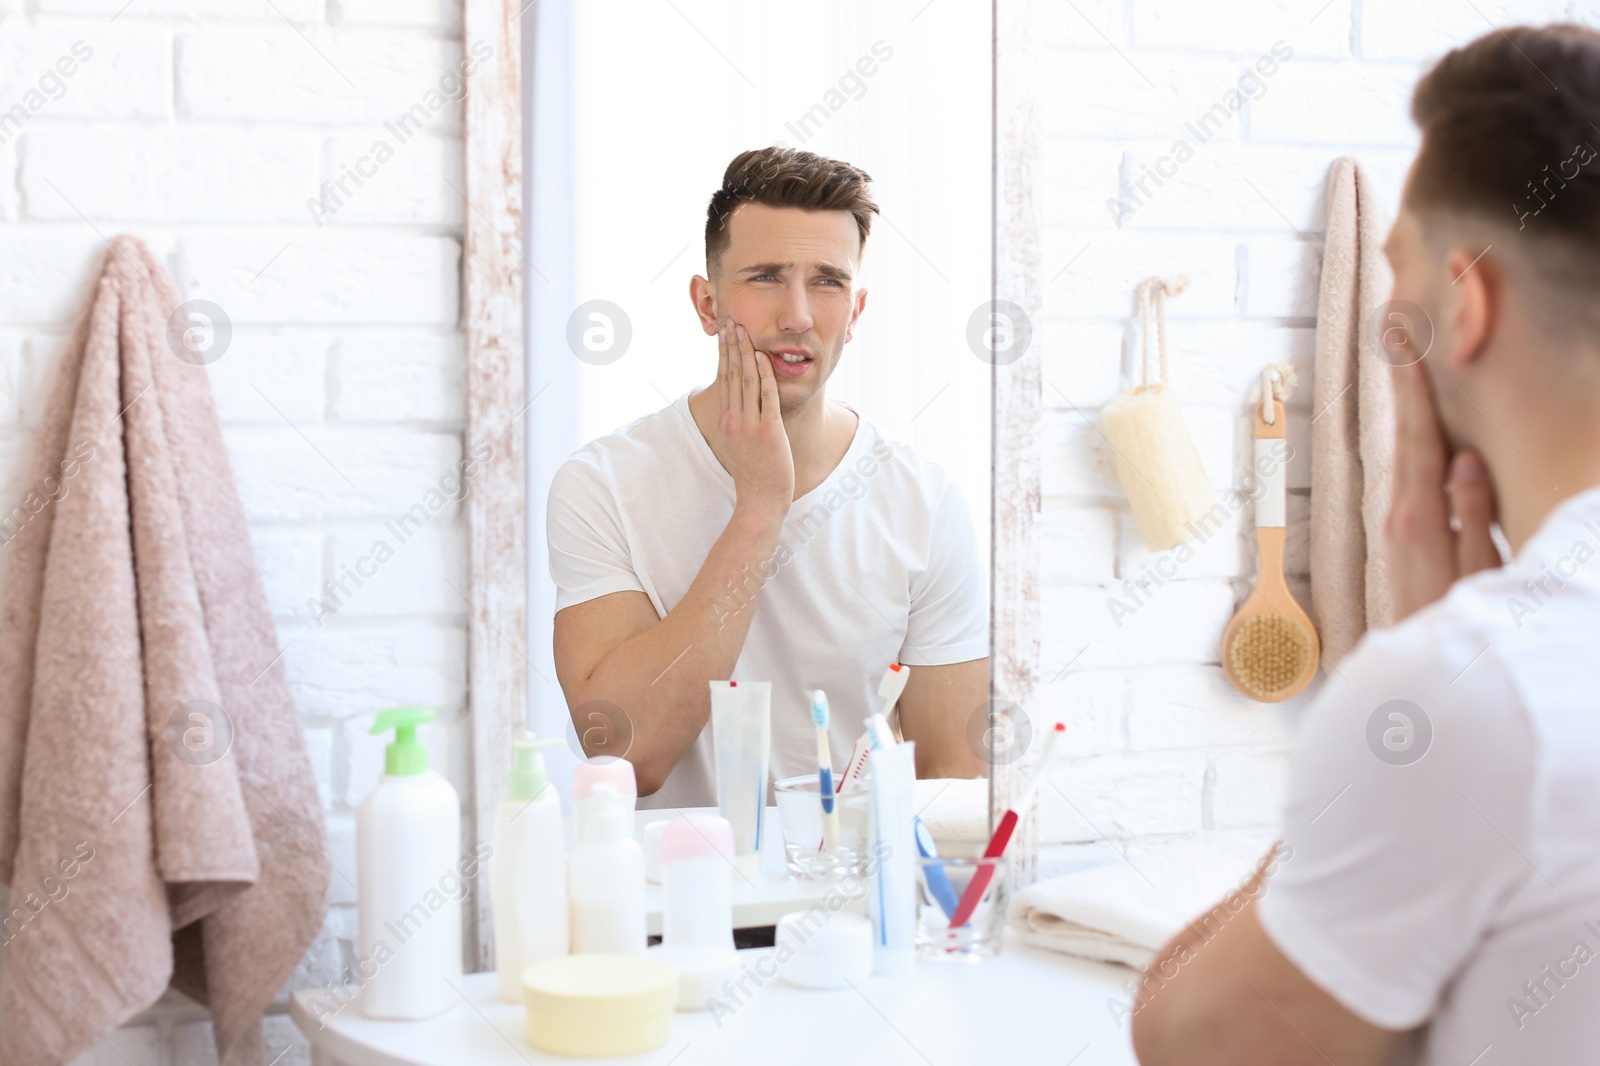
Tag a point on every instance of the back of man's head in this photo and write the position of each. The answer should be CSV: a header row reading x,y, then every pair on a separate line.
x,y
1509,123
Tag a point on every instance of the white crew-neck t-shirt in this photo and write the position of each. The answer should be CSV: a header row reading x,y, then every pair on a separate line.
x,y
1444,811
875,565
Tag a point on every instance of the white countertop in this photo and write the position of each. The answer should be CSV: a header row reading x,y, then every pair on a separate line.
x,y
1023,1006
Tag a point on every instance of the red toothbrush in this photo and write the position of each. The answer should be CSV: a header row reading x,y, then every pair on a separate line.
x,y
1002,834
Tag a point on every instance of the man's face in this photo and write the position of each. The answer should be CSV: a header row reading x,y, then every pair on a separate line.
x,y
1416,322
788,278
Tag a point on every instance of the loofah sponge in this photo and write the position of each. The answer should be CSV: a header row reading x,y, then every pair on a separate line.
x,y
1157,463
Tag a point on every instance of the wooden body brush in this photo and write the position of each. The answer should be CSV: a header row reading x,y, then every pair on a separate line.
x,y
1270,648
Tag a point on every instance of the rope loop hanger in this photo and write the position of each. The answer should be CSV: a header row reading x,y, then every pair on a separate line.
x,y
1277,381
1153,294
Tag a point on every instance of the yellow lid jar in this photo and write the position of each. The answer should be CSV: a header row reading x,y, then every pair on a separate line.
x,y
599,1004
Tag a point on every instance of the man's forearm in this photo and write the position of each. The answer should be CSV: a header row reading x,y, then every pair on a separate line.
x,y
658,678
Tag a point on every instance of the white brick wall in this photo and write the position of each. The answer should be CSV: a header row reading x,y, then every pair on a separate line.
x,y
205,126
1160,745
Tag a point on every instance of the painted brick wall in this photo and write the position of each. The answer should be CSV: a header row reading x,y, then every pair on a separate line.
x,y
205,127
1161,747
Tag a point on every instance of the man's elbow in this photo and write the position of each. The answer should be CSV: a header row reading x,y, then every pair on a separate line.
x,y
1166,1034
649,777
1150,1044
1158,1037
649,772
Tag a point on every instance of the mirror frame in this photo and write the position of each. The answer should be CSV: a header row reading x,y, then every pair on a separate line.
x,y
1016,448
496,510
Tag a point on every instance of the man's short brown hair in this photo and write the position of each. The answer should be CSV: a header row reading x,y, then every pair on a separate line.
x,y
1509,124
786,177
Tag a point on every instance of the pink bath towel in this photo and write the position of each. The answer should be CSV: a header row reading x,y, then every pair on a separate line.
x,y
1352,432
159,820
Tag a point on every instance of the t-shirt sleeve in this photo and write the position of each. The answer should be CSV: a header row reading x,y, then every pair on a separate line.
x,y
1409,818
589,554
949,614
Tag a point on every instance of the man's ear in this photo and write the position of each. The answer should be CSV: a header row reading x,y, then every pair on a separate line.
x,y
704,298
1480,288
861,305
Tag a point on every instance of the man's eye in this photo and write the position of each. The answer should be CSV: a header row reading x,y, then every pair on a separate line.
x,y
832,281
760,277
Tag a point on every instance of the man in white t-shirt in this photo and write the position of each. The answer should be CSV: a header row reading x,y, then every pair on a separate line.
x,y
1436,897
754,530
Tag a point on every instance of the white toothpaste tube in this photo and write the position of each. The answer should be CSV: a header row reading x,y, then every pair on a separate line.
x,y
892,894
741,729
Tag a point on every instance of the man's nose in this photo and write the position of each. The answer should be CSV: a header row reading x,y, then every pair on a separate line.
x,y
795,314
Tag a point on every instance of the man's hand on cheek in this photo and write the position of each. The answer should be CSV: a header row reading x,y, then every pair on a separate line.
x,y
1426,555
751,440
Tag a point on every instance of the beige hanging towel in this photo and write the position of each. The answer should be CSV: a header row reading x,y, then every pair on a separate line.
x,y
159,821
1352,434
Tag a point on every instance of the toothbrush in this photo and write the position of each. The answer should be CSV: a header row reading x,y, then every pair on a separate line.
x,y
890,688
830,816
1008,826
943,892
892,685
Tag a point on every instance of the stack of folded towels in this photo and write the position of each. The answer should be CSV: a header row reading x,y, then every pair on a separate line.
x,y
1126,904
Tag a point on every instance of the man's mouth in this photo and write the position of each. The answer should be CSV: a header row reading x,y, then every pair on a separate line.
x,y
790,362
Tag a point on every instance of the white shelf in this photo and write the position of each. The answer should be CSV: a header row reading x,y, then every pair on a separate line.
x,y
1022,1006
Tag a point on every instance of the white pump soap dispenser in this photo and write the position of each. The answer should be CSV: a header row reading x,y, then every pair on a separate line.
x,y
408,855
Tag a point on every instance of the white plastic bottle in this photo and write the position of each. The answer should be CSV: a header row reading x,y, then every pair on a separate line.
x,y
697,864
606,877
408,851
528,869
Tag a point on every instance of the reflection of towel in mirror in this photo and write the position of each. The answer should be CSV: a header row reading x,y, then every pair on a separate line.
x,y
1352,432
159,817
1125,908
954,808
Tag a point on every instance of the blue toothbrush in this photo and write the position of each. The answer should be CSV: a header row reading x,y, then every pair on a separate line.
x,y
830,817
938,881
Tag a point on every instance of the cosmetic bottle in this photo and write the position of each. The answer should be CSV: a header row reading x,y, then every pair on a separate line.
x,y
606,877
408,855
528,870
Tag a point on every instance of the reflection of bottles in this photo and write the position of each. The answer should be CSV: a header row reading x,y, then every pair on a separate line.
x,y
606,876
408,842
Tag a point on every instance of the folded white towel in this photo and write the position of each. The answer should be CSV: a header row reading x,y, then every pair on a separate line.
x,y
1125,909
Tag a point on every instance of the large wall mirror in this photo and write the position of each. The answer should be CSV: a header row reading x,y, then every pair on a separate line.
x,y
843,157
815,100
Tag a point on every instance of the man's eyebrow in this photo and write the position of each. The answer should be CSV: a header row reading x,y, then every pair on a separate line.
x,y
778,268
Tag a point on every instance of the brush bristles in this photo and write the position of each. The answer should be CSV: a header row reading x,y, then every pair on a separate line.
x,y
1268,655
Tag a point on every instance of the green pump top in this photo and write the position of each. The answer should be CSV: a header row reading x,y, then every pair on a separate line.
x,y
527,779
404,756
